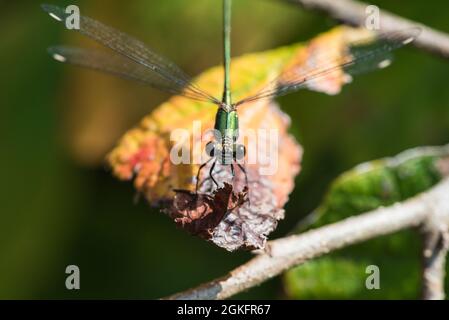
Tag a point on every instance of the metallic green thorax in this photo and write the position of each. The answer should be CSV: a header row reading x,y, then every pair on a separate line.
x,y
227,123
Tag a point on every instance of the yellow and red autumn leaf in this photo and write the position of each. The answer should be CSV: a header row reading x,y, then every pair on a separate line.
x,y
143,154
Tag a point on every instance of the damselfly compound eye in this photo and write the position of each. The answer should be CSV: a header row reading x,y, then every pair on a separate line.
x,y
239,151
210,148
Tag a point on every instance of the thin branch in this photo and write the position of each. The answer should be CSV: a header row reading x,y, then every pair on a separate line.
x,y
354,13
291,251
435,247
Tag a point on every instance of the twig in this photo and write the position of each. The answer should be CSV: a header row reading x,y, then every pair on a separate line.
x,y
288,252
354,13
435,247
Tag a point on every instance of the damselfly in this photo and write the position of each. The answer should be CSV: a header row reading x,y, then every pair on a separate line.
x,y
132,59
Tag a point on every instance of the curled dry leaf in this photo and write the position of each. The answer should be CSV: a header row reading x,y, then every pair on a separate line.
x,y
200,213
221,215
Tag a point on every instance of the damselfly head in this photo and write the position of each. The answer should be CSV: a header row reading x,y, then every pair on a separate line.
x,y
224,156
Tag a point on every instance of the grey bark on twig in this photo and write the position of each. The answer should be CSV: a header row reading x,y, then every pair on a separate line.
x,y
354,13
435,247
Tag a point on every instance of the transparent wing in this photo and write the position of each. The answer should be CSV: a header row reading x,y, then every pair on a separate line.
x,y
116,64
153,69
363,55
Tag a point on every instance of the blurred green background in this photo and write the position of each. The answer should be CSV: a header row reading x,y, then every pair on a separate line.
x,y
60,205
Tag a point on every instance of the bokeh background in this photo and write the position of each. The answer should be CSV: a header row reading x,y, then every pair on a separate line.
x,y
60,205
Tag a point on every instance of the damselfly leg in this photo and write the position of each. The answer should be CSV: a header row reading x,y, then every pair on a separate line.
x,y
211,173
199,173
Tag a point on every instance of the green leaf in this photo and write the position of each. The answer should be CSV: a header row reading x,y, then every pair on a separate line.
x,y
371,185
341,276
382,183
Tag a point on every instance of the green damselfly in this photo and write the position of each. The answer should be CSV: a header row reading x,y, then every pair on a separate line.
x,y
134,60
